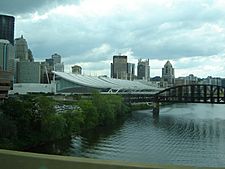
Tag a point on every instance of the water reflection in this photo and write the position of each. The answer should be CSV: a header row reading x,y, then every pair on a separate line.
x,y
186,134
90,139
59,147
200,126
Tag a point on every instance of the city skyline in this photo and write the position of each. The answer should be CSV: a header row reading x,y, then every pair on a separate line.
x,y
90,32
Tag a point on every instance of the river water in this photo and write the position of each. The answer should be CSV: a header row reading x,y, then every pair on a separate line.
x,y
184,134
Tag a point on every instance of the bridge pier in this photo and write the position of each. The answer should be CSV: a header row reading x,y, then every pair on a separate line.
x,y
155,110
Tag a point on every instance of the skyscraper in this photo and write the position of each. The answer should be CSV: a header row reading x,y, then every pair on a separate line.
x,y
7,28
130,71
56,58
58,66
21,48
168,77
143,71
119,67
6,67
6,56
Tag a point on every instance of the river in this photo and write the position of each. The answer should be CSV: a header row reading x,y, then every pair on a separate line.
x,y
184,134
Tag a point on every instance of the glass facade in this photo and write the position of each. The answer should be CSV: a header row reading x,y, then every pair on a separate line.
x,y
6,56
7,28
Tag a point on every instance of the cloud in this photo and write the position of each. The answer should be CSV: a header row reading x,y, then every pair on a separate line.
x,y
201,66
92,31
171,34
18,7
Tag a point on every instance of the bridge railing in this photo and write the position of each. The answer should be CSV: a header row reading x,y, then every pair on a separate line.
x,y
23,160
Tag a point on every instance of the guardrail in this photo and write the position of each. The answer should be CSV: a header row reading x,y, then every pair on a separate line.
x,y
23,160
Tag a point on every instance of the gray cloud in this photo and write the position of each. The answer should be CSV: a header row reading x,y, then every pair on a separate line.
x,y
16,7
82,33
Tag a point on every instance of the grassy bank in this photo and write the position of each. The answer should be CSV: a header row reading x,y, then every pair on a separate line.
x,y
32,120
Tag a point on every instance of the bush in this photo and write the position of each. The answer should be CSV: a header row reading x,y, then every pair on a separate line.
x,y
53,128
74,121
8,132
91,116
109,107
32,120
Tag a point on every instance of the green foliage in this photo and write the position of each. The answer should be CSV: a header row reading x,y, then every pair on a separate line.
x,y
90,113
74,121
44,104
110,107
8,132
118,105
32,120
53,127
103,109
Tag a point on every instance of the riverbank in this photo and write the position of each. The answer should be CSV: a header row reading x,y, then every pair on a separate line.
x,y
32,120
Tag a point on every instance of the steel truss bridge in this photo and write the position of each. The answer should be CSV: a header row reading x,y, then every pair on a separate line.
x,y
195,93
192,94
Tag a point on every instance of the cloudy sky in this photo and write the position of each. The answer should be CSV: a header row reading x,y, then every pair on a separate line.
x,y
189,33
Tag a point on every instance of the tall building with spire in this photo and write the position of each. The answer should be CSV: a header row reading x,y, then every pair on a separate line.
x,y
168,77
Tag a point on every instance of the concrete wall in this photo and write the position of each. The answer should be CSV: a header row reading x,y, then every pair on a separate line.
x,y
24,88
21,160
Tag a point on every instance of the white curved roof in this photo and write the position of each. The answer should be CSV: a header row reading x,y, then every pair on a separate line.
x,y
105,82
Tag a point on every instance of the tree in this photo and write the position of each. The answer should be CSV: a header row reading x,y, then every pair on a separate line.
x,y
91,116
74,121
